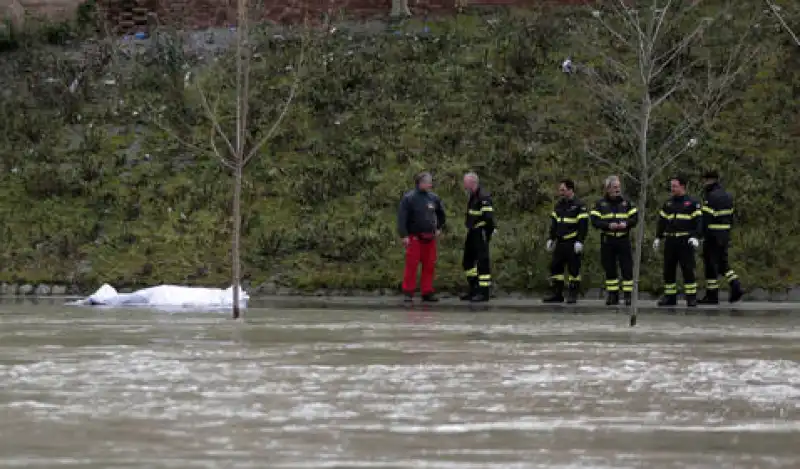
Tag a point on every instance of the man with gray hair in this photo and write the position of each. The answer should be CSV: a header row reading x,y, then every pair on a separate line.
x,y
420,219
480,227
615,216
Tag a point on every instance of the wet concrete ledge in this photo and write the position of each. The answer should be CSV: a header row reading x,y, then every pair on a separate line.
x,y
450,304
527,305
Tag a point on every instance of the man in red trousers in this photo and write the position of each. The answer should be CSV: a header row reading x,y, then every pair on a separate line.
x,y
420,220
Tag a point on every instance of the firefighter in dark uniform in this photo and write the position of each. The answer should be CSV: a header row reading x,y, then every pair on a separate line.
x,y
615,216
717,224
680,221
569,224
480,227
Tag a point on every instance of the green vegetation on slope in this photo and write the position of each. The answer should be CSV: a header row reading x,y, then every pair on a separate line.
x,y
93,192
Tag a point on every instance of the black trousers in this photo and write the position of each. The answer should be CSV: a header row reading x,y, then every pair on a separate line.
x,y
565,259
617,251
475,261
715,260
678,251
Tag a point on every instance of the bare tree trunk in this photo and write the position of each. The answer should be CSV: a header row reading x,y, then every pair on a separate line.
x,y
236,241
400,8
236,152
643,31
637,256
645,181
238,166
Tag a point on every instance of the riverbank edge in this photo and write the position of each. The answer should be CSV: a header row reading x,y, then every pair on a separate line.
x,y
271,292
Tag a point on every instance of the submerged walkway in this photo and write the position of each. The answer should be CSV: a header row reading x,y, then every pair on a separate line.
x,y
450,304
532,305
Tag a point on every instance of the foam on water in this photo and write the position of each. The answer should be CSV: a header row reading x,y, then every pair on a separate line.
x,y
321,391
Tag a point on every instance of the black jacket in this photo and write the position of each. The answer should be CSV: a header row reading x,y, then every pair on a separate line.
x,y
679,217
480,212
614,210
717,212
569,220
420,213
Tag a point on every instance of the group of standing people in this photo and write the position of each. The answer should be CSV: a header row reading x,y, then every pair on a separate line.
x,y
683,222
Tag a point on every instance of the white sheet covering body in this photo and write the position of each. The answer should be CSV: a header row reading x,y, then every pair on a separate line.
x,y
166,296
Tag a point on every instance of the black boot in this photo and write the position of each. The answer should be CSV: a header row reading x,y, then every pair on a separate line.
x,y
711,298
691,300
572,293
736,291
482,296
612,298
668,300
628,298
472,289
408,297
429,298
558,294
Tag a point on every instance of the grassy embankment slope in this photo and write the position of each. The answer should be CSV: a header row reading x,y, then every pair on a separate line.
x,y
116,201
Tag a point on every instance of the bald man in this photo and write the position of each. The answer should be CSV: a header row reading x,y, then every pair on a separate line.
x,y
480,225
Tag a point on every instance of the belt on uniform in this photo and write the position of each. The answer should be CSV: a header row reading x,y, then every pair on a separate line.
x,y
615,234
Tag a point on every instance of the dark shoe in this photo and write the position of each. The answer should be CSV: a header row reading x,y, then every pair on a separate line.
x,y
430,298
572,297
667,300
711,298
612,298
736,291
479,298
628,298
471,289
572,293
691,301
554,298
408,297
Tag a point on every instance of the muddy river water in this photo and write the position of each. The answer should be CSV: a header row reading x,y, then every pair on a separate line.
x,y
89,388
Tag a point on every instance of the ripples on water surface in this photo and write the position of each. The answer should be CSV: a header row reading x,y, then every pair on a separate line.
x,y
316,389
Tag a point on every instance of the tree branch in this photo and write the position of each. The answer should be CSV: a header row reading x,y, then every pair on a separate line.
x,y
596,156
602,91
775,11
286,105
245,89
660,22
641,45
664,60
174,135
213,118
212,139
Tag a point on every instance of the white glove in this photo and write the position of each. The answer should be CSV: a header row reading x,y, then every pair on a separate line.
x,y
693,242
549,245
578,247
656,244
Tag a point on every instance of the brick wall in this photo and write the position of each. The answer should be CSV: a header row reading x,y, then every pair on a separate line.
x,y
127,16
208,13
211,13
16,10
